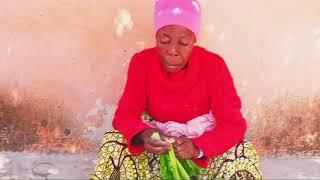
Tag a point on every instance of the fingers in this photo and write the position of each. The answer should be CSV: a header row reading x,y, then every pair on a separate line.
x,y
156,146
155,150
180,148
184,148
157,143
183,152
180,140
183,155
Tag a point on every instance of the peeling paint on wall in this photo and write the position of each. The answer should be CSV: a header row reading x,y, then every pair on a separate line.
x,y
123,22
97,114
210,29
99,119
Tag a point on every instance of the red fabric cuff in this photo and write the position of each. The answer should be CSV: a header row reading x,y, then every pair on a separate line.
x,y
134,130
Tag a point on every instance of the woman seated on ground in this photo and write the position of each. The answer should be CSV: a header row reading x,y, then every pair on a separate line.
x,y
188,94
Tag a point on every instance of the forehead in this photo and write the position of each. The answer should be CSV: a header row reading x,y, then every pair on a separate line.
x,y
175,31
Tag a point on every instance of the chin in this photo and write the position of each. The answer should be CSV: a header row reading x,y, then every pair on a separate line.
x,y
169,70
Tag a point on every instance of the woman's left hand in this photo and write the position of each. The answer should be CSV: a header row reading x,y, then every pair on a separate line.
x,y
184,148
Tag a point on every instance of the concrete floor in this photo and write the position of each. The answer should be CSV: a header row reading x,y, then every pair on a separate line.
x,y
78,166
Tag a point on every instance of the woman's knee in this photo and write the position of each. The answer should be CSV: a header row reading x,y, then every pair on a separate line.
x,y
113,135
112,140
248,149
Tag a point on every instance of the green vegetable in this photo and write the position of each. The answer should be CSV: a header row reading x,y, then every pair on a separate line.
x,y
156,136
172,168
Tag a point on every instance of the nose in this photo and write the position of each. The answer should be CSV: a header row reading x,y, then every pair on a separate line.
x,y
172,50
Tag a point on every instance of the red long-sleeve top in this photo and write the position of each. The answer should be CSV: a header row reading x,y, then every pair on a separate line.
x,y
204,84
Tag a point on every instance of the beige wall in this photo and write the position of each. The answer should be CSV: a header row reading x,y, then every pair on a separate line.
x,y
74,54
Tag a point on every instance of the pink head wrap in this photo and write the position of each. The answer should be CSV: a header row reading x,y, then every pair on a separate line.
x,y
186,13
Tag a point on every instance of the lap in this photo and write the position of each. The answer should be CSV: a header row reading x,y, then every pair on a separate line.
x,y
115,161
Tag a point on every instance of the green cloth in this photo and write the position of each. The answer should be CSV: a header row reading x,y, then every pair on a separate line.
x,y
172,168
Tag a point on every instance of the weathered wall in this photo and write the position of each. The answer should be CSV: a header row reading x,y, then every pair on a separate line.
x,y
71,56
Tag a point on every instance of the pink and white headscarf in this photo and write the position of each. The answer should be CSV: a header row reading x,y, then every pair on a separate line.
x,y
186,13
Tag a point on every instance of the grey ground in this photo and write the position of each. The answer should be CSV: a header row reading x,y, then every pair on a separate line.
x,y
78,166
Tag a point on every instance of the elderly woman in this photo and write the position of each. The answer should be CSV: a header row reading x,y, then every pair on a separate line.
x,y
181,91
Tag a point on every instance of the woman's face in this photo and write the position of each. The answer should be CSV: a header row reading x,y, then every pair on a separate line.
x,y
175,44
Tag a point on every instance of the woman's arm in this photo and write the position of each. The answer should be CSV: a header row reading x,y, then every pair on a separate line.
x,y
230,126
127,119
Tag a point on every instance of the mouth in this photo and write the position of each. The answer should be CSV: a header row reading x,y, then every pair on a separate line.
x,y
171,64
171,68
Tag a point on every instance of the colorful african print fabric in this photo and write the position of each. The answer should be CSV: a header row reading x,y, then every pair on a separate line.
x,y
115,162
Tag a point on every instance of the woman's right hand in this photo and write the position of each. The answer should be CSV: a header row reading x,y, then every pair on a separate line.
x,y
152,145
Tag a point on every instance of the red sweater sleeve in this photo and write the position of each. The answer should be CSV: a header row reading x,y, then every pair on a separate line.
x,y
226,107
127,119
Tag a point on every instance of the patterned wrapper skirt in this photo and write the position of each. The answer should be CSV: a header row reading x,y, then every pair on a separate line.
x,y
115,162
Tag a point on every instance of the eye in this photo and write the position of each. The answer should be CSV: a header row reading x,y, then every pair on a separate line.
x,y
164,42
183,43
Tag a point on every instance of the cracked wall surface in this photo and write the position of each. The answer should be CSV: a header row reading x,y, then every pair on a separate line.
x,y
70,57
